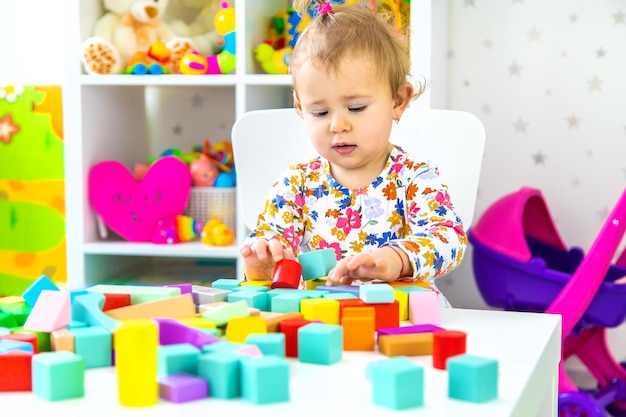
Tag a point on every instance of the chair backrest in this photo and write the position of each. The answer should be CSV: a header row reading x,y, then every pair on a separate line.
x,y
266,142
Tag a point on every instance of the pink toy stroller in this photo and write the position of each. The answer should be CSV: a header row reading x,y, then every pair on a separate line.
x,y
521,263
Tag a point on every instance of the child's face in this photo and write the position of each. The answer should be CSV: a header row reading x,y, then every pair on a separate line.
x,y
348,115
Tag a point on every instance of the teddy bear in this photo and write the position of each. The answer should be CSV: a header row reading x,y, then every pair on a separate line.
x,y
129,27
201,28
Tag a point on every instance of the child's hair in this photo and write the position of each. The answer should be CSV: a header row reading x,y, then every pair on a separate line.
x,y
353,29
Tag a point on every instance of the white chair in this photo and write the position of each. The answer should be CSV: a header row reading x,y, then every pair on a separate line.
x,y
266,142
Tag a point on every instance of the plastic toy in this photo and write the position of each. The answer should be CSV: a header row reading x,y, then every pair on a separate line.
x,y
203,171
132,208
222,63
521,263
216,233
176,229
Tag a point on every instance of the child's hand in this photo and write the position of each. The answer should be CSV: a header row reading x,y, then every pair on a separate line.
x,y
260,259
380,264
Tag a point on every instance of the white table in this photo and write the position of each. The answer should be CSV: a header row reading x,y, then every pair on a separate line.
x,y
527,346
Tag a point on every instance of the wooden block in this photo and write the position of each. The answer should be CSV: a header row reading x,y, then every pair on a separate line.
x,y
358,329
424,308
50,312
178,307
325,310
412,344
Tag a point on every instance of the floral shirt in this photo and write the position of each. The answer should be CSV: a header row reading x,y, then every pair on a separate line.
x,y
407,206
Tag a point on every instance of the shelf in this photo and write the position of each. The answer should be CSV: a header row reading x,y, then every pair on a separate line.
x,y
184,80
186,250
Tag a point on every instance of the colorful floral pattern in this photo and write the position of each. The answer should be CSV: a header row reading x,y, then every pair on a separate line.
x,y
407,206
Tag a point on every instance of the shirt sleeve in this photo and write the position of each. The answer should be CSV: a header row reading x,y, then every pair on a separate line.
x,y
435,239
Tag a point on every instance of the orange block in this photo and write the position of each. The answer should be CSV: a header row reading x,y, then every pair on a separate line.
x,y
413,344
178,307
62,339
387,314
358,328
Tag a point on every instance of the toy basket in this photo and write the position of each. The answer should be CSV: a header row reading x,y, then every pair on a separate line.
x,y
205,202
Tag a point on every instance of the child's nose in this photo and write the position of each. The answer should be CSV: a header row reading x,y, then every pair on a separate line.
x,y
339,124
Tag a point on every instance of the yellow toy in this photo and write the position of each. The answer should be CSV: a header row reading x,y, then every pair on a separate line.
x,y
216,233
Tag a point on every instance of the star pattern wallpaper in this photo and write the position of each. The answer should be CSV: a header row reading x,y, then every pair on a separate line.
x,y
547,80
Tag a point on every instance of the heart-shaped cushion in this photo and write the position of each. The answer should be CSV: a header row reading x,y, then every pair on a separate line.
x,y
132,208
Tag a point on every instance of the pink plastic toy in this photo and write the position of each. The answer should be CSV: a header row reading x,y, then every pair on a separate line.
x,y
521,263
132,208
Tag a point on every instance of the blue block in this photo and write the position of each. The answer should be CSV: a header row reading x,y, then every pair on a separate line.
x,y
397,384
287,303
339,295
265,380
317,264
257,288
223,371
87,308
376,293
58,375
320,343
369,368
94,345
352,289
226,284
179,358
31,294
269,343
254,299
472,378
10,345
314,293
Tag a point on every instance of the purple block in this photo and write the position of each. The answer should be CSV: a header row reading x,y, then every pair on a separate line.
x,y
352,289
172,332
417,328
181,388
184,288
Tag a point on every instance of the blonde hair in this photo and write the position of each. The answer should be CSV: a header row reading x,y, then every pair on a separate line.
x,y
353,30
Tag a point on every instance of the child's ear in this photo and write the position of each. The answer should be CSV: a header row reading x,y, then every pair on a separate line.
x,y
404,95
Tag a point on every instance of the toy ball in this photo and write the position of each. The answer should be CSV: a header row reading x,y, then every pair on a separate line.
x,y
203,172
225,180
216,233
225,20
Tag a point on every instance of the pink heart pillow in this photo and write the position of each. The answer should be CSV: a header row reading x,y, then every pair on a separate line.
x,y
131,207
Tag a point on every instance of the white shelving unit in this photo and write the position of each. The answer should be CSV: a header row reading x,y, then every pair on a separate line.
x,y
125,118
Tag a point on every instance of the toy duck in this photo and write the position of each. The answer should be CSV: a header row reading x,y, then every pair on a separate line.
x,y
216,233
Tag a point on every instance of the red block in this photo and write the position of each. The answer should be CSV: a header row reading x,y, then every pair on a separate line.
x,y
446,344
24,337
112,301
16,371
387,314
349,302
290,328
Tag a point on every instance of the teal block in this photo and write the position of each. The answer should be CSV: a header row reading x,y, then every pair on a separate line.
x,y
76,293
4,331
138,293
320,343
376,293
11,345
472,378
254,299
265,380
179,358
314,293
287,303
223,372
253,288
87,308
397,384
369,368
222,346
226,283
58,375
94,345
339,295
409,289
31,294
220,316
268,344
317,264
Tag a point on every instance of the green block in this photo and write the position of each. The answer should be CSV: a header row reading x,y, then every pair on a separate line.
x,y
226,283
58,375
179,358
472,378
254,299
220,316
317,264
138,293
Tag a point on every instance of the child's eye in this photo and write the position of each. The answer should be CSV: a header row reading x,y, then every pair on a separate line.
x,y
319,113
357,109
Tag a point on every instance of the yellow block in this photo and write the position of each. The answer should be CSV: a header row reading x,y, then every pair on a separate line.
x,y
136,342
256,283
414,344
325,310
198,323
402,297
312,284
177,307
11,299
239,328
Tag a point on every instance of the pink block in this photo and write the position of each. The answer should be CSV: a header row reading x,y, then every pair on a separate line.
x,y
252,351
51,312
424,308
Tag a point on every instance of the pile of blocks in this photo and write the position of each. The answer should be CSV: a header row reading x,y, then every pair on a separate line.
x,y
185,342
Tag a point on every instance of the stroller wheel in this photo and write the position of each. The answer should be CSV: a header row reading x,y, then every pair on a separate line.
x,y
579,404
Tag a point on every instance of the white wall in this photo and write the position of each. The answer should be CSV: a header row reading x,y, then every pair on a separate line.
x,y
31,42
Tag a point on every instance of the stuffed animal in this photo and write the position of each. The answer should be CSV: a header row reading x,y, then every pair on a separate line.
x,y
201,28
127,27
